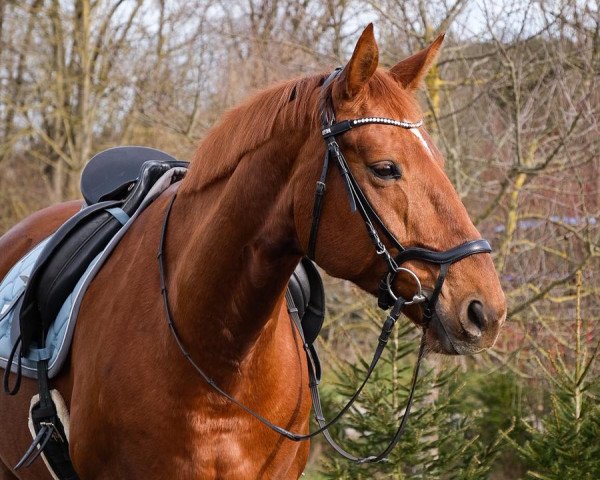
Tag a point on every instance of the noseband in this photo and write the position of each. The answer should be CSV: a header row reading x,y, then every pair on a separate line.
x,y
358,201
387,297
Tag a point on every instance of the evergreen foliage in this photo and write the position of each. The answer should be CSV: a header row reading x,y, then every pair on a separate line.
x,y
440,442
564,443
537,421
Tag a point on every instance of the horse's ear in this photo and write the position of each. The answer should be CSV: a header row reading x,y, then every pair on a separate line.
x,y
411,71
361,66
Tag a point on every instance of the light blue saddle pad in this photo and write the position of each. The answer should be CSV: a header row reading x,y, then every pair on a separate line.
x,y
61,331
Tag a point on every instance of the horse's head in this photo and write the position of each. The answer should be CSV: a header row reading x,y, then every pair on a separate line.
x,y
400,172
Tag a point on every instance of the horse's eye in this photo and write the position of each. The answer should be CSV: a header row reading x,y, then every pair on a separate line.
x,y
386,170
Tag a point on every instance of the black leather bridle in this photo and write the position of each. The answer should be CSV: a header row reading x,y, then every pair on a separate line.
x,y
387,297
358,201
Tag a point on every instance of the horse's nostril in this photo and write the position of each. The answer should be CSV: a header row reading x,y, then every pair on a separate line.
x,y
477,315
480,324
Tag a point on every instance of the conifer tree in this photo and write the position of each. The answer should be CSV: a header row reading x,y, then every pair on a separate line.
x,y
564,443
439,441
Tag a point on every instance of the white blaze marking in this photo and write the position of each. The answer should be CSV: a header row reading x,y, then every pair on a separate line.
x,y
417,134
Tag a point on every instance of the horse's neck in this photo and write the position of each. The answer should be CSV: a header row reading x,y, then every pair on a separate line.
x,y
235,249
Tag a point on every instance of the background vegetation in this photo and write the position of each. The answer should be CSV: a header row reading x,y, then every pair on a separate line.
x,y
514,105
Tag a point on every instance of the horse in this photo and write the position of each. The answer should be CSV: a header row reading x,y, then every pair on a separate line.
x,y
240,223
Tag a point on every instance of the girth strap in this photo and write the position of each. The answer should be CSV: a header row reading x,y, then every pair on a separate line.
x,y
51,439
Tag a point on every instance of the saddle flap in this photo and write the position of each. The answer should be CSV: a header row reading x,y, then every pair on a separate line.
x,y
306,287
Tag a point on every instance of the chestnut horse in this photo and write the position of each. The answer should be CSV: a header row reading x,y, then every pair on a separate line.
x,y
239,225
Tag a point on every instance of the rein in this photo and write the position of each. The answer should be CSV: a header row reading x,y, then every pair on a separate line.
x,y
387,297
386,330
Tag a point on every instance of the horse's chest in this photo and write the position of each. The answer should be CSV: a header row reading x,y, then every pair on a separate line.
x,y
223,456
242,448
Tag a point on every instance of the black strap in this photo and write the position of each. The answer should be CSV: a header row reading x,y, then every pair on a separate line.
x,y
357,199
327,118
35,449
50,438
7,370
383,338
314,384
317,206
367,211
44,411
453,255
430,305
334,149
381,456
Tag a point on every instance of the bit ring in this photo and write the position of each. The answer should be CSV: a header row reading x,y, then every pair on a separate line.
x,y
418,297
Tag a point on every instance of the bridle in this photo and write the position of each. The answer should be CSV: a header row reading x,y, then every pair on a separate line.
x,y
358,201
387,298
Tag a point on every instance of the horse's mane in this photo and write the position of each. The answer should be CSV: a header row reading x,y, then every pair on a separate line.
x,y
251,123
248,125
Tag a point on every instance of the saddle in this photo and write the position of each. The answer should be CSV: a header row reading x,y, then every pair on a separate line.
x,y
114,184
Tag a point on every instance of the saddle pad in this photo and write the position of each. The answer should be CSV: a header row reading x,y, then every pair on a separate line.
x,y
61,331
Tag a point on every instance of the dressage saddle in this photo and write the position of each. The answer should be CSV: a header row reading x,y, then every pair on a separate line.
x,y
113,183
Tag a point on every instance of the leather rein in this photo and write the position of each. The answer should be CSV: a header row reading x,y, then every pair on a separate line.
x,y
387,297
